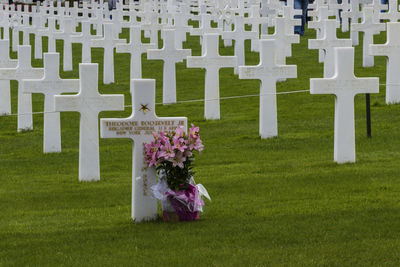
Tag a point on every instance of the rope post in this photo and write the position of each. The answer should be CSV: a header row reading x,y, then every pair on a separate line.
x,y
368,113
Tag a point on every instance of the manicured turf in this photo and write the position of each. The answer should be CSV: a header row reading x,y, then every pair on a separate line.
x,y
281,201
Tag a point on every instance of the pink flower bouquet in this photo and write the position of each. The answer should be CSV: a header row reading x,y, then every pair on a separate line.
x,y
172,156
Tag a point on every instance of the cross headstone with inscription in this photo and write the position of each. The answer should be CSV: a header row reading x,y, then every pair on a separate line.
x,y
25,28
139,127
181,28
239,35
283,40
211,61
135,48
22,71
89,103
290,20
344,85
255,20
5,62
37,23
226,16
108,42
354,15
50,32
370,27
328,42
268,72
170,55
85,38
319,26
391,50
65,35
50,85
205,28
393,15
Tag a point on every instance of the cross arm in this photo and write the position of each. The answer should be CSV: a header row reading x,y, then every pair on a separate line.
x,y
8,74
145,47
196,62
156,54
35,73
316,43
112,102
97,43
56,87
67,102
250,72
336,87
177,55
125,48
378,50
229,62
286,71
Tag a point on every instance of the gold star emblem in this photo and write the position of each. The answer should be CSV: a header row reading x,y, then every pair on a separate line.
x,y
144,108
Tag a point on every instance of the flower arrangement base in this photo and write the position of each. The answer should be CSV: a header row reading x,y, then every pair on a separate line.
x,y
176,211
170,216
183,212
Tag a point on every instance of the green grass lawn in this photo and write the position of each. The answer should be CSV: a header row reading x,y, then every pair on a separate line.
x,y
280,201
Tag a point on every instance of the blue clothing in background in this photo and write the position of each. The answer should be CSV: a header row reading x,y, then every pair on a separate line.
x,y
303,5
384,2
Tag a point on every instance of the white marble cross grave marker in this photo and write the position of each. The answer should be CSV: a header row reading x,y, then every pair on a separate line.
x,y
170,55
393,15
211,61
268,72
23,70
139,127
283,41
50,85
391,49
181,28
328,42
50,32
239,35
89,103
344,85
5,62
370,28
255,20
108,43
85,38
65,35
319,26
135,48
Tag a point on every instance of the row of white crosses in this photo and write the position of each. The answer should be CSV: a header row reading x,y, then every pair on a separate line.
x,y
89,103
212,110
339,76
23,70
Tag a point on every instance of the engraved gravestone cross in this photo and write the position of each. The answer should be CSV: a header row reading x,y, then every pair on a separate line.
x,y
5,62
89,103
139,127
211,61
268,72
22,71
345,86
170,55
328,42
108,42
239,35
391,49
50,85
370,27
135,48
